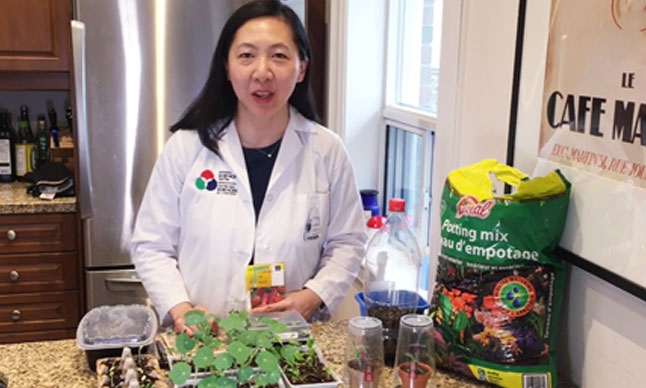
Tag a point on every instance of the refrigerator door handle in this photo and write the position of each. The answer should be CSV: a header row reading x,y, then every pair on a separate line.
x,y
86,192
123,280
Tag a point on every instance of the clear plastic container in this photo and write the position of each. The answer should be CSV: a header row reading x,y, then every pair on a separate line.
x,y
364,353
104,331
297,327
415,362
393,260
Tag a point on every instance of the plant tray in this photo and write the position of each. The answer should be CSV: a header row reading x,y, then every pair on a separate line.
x,y
195,375
103,365
330,384
193,382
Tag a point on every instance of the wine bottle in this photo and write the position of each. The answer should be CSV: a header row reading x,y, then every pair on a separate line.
x,y
69,117
53,127
24,116
29,140
7,166
42,142
21,151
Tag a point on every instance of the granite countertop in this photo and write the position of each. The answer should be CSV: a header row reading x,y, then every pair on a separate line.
x,y
15,200
331,336
55,364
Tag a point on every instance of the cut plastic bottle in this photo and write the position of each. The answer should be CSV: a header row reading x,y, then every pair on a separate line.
x,y
393,260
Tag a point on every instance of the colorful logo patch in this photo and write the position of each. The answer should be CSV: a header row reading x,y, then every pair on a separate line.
x,y
468,206
515,295
206,180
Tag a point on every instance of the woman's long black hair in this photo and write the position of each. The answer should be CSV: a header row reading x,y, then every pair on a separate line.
x,y
216,105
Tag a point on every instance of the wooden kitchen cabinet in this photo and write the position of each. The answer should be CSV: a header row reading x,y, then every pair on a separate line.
x,y
35,35
39,277
37,233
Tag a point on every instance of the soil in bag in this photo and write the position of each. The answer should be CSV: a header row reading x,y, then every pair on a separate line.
x,y
498,290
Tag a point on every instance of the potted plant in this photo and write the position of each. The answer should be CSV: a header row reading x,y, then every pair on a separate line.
x,y
364,369
304,367
413,373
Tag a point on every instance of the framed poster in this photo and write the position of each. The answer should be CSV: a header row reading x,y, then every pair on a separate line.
x,y
593,128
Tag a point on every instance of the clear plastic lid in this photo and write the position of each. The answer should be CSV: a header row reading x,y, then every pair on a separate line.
x,y
109,327
297,327
417,322
360,326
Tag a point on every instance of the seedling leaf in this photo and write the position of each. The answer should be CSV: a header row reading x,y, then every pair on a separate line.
x,y
232,322
203,357
223,361
288,353
266,361
260,380
184,343
244,373
179,373
224,382
273,376
209,382
264,340
248,338
239,351
194,317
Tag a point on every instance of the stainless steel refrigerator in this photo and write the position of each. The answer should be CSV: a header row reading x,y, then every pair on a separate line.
x,y
137,65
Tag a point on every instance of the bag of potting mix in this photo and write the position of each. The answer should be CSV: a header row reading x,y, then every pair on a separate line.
x,y
498,290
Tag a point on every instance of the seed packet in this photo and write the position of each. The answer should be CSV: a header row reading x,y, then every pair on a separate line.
x,y
265,283
496,301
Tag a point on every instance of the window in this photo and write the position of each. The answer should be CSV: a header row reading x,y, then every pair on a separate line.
x,y
418,31
407,152
411,107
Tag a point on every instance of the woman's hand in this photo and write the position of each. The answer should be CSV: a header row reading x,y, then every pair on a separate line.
x,y
177,314
305,301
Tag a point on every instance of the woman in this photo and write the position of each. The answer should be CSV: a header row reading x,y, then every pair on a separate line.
x,y
249,176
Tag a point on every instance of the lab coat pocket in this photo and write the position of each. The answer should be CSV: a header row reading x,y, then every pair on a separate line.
x,y
317,217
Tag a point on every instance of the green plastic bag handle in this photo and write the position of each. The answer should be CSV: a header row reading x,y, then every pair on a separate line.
x,y
475,180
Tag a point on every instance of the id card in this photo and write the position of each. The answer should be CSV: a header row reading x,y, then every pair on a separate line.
x,y
265,283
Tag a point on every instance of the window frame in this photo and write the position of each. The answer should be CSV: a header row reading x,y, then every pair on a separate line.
x,y
424,189
407,118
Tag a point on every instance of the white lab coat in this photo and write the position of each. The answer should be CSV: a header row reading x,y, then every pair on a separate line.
x,y
194,245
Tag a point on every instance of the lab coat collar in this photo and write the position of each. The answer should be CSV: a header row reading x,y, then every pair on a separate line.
x,y
290,148
231,152
292,144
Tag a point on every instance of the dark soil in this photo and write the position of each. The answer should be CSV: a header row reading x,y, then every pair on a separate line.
x,y
309,373
243,385
248,385
354,364
389,317
418,370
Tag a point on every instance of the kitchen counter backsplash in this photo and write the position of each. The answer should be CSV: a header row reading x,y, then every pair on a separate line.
x,y
15,200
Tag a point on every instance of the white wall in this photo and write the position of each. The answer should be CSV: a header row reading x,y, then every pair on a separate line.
x,y
476,69
603,329
365,55
357,71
